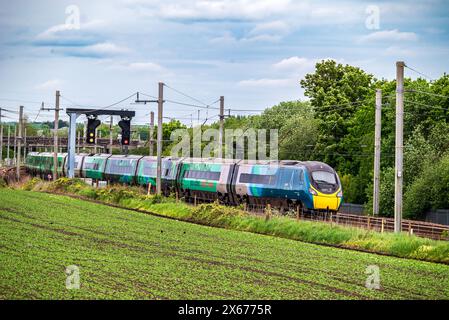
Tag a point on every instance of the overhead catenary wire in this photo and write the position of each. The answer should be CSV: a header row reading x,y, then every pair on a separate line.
x,y
426,105
420,73
100,108
10,111
185,95
428,93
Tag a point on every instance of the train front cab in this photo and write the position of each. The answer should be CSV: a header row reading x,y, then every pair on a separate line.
x,y
325,189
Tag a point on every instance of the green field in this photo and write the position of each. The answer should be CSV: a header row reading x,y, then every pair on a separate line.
x,y
123,254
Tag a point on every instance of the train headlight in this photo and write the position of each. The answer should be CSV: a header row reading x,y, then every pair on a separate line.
x,y
313,192
340,194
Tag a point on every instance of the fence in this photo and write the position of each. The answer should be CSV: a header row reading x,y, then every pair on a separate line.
x,y
438,216
351,208
380,224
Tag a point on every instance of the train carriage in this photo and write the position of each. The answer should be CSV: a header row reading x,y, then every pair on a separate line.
x,y
32,163
121,168
206,179
44,163
254,182
79,159
93,166
147,172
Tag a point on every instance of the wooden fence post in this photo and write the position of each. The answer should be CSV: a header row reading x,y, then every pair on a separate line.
x,y
268,212
194,200
297,213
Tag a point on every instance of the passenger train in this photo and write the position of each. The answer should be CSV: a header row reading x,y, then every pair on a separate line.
x,y
284,184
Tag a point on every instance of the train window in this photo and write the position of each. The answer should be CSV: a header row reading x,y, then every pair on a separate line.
x,y
149,171
297,179
121,167
257,178
91,165
324,177
205,175
169,171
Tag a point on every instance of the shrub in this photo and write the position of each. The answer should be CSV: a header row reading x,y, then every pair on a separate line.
x,y
31,184
214,213
3,183
429,191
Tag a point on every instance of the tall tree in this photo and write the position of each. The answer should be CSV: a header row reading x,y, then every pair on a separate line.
x,y
336,91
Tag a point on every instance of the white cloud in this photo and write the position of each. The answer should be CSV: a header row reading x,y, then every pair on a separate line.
x,y
293,11
145,66
222,9
294,63
272,27
228,39
266,82
263,38
389,35
99,50
70,35
299,65
288,72
52,84
398,52
139,67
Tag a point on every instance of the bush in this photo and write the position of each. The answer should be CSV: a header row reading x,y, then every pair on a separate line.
x,y
214,213
3,183
429,191
31,184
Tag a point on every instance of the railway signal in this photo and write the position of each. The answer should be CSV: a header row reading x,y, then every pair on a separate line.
x,y
125,125
92,124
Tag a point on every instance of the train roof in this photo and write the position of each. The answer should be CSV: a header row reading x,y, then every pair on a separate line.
x,y
154,158
97,155
46,154
318,165
211,160
129,156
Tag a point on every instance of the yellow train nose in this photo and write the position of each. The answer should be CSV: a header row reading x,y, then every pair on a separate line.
x,y
326,201
331,202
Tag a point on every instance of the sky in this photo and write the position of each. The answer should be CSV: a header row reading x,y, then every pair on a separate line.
x,y
252,52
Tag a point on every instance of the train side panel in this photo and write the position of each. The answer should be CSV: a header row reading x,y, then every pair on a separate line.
x,y
93,166
121,169
147,172
206,179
